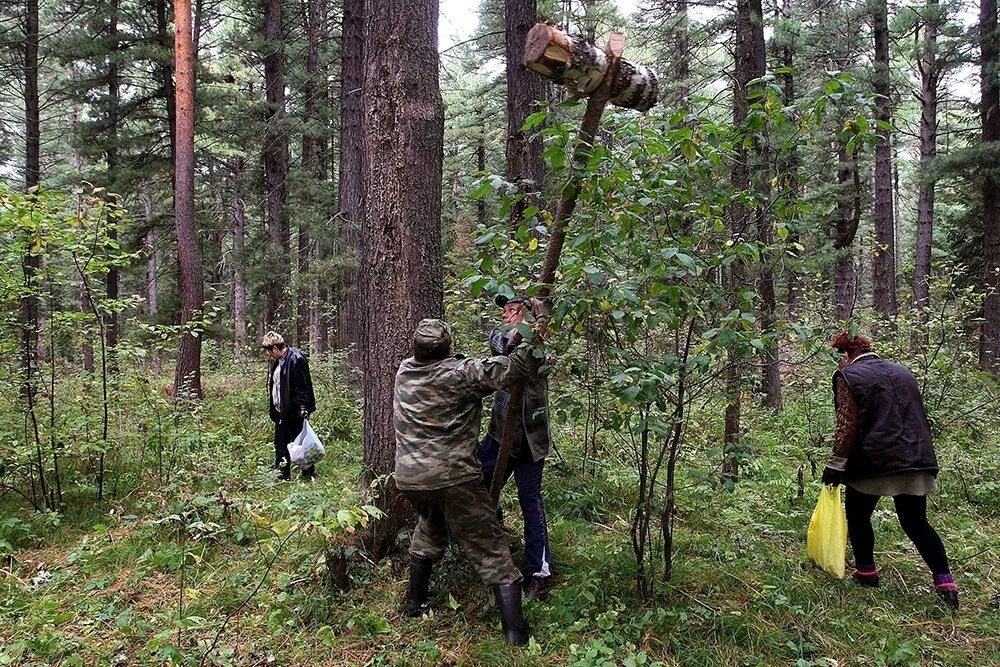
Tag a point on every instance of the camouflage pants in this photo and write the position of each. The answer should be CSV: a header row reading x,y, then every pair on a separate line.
x,y
468,512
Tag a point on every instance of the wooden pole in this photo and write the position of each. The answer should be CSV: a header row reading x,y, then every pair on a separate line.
x,y
596,104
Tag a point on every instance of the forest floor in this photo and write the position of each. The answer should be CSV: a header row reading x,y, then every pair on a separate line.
x,y
189,559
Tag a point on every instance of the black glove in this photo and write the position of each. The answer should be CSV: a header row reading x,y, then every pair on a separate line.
x,y
832,477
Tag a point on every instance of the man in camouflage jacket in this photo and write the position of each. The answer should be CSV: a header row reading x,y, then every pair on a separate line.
x,y
437,405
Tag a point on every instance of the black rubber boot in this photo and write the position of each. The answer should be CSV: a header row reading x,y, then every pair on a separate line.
x,y
417,587
508,597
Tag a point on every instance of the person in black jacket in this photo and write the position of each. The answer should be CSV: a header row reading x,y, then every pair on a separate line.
x,y
527,458
290,399
882,447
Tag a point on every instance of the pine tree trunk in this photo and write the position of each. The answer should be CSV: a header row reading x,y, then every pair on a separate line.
x,y
310,166
524,151
152,266
188,374
32,262
791,170
303,289
401,275
883,265
739,217
928,151
239,266
682,44
114,98
848,219
350,324
167,89
32,112
771,371
989,348
481,166
276,307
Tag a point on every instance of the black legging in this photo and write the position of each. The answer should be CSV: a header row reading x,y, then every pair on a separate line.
x,y
912,513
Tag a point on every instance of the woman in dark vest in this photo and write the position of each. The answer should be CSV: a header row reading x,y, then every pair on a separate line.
x,y
882,447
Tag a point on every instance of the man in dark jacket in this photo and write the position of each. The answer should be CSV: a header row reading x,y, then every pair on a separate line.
x,y
527,458
290,399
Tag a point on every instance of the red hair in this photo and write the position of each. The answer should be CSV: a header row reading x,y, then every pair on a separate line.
x,y
843,342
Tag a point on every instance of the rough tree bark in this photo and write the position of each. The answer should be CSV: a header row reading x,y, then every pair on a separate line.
x,y
524,151
188,374
883,264
276,306
403,122
350,183
848,219
989,346
929,74
739,220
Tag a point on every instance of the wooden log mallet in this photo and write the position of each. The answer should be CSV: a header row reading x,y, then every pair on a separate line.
x,y
602,77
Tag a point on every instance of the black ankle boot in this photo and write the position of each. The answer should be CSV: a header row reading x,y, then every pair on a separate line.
x,y
950,597
416,588
508,597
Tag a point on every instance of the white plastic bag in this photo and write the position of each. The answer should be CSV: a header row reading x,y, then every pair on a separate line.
x,y
306,450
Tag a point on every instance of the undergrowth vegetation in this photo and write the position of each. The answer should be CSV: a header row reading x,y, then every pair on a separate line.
x,y
197,556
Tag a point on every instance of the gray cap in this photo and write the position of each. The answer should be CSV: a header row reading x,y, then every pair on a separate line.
x,y
431,333
502,299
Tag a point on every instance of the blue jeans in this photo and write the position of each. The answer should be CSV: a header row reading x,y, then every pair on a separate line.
x,y
528,477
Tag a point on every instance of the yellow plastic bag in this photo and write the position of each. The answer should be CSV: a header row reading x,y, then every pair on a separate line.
x,y
826,542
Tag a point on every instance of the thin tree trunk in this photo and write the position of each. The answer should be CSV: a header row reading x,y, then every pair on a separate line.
x,y
152,267
303,288
351,178
848,219
791,176
111,284
188,374
928,151
83,306
771,371
682,44
883,265
31,262
276,307
401,277
239,265
524,151
989,348
166,75
739,226
481,166
32,112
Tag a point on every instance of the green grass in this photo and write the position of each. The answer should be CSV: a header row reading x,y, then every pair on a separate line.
x,y
150,577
